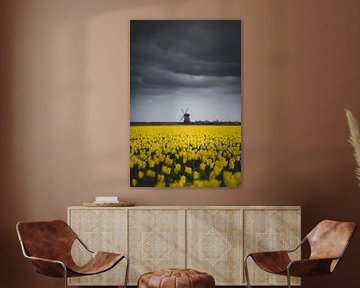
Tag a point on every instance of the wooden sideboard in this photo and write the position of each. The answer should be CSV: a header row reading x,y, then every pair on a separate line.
x,y
213,239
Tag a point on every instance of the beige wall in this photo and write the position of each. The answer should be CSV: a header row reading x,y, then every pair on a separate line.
x,y
64,118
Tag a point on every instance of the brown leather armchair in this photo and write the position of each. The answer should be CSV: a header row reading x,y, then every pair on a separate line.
x,y
48,245
328,242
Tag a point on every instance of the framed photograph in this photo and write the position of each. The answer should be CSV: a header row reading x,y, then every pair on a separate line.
x,y
185,103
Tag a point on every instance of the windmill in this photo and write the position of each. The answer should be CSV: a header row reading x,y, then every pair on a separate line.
x,y
186,116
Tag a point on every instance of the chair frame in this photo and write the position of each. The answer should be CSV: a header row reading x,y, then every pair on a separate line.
x,y
26,255
246,270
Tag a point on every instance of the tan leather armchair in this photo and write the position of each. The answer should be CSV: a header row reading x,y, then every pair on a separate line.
x,y
48,245
328,242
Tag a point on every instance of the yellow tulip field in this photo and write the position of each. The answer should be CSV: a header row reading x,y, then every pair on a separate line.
x,y
185,156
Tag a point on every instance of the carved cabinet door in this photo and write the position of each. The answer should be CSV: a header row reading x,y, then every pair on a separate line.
x,y
271,230
101,230
214,244
156,240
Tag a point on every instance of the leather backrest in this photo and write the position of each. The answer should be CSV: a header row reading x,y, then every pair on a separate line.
x,y
46,239
329,238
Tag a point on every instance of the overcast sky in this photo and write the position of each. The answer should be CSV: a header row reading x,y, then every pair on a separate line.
x,y
185,64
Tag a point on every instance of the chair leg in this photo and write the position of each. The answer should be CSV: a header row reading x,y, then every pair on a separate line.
x,y
246,270
127,270
65,275
288,278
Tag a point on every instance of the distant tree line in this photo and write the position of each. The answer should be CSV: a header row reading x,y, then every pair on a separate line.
x,y
216,122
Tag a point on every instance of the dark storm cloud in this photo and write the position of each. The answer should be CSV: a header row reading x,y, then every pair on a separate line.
x,y
191,47
171,57
159,77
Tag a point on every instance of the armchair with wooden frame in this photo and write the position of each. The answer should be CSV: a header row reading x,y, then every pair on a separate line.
x,y
328,242
48,245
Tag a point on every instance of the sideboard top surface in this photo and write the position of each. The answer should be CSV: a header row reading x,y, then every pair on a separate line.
x,y
193,207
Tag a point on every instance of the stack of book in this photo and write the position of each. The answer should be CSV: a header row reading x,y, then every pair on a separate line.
x,y
106,199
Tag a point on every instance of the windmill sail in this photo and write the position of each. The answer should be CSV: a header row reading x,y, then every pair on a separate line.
x,y
185,116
